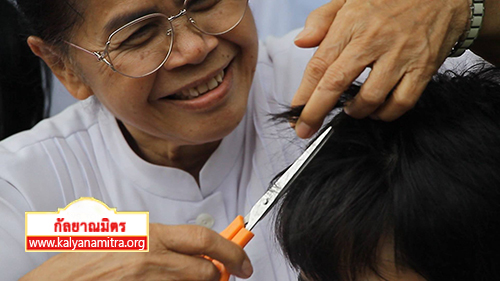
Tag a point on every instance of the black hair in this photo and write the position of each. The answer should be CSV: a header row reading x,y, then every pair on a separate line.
x,y
24,78
429,182
52,20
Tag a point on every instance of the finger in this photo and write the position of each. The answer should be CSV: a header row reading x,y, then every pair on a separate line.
x,y
326,54
383,78
317,24
336,80
174,266
404,97
197,240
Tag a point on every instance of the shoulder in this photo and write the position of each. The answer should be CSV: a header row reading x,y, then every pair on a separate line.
x,y
34,172
52,154
77,118
282,49
279,72
281,65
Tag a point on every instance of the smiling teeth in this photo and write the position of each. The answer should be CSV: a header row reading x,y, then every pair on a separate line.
x,y
191,92
212,84
201,89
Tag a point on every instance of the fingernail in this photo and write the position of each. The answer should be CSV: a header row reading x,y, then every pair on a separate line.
x,y
303,130
347,110
305,32
247,268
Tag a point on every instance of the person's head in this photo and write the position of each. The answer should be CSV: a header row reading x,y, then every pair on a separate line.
x,y
413,199
24,80
153,105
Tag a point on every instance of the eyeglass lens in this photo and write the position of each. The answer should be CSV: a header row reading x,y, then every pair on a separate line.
x,y
141,48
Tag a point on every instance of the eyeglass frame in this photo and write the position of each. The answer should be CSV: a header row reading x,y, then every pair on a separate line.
x,y
101,55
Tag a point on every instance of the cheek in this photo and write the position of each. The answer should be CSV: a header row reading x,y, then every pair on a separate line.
x,y
245,34
120,94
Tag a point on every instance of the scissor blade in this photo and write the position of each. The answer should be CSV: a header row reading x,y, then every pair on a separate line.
x,y
261,208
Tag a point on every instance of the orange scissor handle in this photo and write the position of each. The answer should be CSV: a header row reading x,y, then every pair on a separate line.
x,y
237,233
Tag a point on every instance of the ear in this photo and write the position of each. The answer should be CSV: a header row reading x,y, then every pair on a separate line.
x,y
61,67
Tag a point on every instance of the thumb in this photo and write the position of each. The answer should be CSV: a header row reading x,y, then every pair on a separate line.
x,y
317,24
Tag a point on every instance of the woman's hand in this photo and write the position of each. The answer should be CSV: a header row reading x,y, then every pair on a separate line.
x,y
403,41
175,254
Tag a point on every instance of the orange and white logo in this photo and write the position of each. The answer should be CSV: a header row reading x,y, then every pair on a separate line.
x,y
87,225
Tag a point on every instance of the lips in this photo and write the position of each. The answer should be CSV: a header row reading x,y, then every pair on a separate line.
x,y
208,99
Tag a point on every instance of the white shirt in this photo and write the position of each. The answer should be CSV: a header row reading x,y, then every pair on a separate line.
x,y
82,153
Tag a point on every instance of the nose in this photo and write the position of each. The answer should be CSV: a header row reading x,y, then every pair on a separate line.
x,y
190,45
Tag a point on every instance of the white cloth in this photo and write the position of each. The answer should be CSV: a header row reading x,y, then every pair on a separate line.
x,y
81,152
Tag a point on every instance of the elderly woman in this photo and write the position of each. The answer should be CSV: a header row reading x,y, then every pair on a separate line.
x,y
176,97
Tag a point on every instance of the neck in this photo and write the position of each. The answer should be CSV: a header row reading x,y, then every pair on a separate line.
x,y
189,158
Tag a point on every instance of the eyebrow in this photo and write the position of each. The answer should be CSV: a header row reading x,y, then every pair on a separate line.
x,y
122,19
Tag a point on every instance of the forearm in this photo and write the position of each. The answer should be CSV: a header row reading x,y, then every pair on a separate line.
x,y
487,45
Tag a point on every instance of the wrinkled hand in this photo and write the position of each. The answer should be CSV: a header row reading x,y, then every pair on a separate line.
x,y
175,254
403,41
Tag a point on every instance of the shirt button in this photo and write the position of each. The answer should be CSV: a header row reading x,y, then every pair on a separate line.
x,y
205,220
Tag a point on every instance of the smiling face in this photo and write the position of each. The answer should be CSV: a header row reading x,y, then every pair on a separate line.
x,y
215,71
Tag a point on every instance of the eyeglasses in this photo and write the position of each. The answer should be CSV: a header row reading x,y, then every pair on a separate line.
x,y
143,45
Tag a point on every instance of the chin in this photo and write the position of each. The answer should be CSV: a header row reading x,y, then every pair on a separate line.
x,y
217,132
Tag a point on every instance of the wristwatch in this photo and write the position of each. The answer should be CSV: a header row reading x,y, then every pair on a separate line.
x,y
476,19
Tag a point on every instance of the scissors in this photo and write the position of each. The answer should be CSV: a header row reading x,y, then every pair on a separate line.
x,y
239,231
